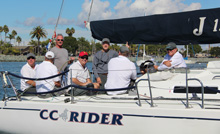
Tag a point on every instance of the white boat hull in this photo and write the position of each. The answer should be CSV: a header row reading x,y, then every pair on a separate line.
x,y
121,113
93,117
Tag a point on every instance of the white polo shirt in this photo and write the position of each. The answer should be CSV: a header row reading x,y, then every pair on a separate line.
x,y
79,72
177,61
27,71
46,69
120,71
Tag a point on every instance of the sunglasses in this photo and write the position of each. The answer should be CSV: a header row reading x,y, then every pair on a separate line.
x,y
30,58
84,57
59,39
169,50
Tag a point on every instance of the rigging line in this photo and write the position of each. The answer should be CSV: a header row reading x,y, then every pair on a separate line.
x,y
93,53
90,10
59,15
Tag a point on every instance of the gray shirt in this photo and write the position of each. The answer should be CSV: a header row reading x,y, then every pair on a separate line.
x,y
100,61
61,58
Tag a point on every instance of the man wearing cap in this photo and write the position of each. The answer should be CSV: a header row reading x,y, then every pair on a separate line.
x,y
120,72
61,59
100,62
46,69
28,70
173,59
80,74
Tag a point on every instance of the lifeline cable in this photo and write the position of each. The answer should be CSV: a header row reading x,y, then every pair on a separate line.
x,y
36,79
84,88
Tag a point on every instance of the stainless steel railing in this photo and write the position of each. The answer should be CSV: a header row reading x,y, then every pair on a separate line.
x,y
151,97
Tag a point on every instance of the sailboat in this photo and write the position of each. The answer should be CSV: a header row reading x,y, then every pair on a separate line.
x,y
174,101
144,57
187,61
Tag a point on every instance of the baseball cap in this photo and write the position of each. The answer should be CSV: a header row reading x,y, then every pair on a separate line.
x,y
30,55
81,54
105,40
123,49
49,55
171,45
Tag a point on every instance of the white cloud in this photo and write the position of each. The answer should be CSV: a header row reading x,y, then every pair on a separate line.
x,y
33,21
100,10
126,8
62,21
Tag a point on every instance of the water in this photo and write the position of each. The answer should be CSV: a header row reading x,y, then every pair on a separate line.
x,y
14,67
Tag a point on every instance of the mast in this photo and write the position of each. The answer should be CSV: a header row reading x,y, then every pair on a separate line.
x,y
187,51
144,51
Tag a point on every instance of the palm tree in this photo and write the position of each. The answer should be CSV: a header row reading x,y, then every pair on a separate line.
x,y
70,32
10,36
6,30
38,32
14,33
18,39
34,44
1,30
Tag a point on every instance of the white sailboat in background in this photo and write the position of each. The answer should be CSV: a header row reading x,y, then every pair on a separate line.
x,y
145,57
186,58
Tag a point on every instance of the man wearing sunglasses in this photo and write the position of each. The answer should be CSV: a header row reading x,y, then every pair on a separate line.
x,y
173,59
28,70
61,59
79,74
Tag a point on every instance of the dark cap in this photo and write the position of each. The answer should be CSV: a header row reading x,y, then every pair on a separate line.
x,y
105,40
30,55
123,49
171,45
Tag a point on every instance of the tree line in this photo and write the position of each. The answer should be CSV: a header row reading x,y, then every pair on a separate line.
x,y
75,45
6,47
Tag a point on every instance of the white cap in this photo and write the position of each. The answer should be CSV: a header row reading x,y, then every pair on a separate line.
x,y
49,55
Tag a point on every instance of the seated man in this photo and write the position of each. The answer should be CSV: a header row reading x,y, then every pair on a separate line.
x,y
120,72
46,69
80,74
173,59
28,70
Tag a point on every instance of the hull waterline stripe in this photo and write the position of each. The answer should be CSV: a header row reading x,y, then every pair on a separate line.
x,y
22,109
172,117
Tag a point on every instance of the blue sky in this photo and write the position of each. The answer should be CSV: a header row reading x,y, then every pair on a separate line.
x,y
23,15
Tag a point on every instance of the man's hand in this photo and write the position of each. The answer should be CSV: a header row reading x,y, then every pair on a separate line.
x,y
167,63
71,60
99,80
156,67
86,83
127,45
